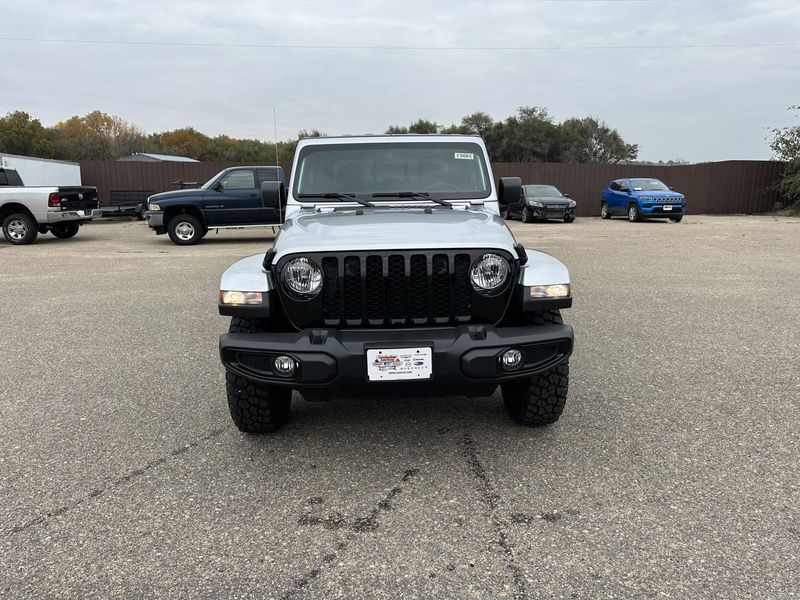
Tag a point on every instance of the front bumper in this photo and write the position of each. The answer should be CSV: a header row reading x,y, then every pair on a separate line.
x,y
463,356
155,220
73,215
552,212
657,210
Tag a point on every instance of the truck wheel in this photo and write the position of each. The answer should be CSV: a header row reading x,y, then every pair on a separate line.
x,y
604,212
676,219
65,230
633,213
19,228
185,230
538,399
257,407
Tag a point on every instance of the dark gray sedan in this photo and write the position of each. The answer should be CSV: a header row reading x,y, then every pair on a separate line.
x,y
541,202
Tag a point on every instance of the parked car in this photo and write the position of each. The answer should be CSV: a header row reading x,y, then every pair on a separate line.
x,y
642,198
541,202
233,198
394,274
25,212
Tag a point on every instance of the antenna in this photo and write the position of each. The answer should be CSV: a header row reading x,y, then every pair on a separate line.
x,y
275,125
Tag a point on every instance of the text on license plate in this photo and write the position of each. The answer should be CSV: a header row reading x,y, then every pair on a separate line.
x,y
393,364
668,207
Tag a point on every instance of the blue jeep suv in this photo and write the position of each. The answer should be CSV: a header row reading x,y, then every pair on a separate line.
x,y
642,198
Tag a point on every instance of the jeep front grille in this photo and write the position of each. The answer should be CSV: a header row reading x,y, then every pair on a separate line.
x,y
392,289
396,289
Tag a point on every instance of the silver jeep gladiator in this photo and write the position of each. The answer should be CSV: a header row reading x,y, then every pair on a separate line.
x,y
394,273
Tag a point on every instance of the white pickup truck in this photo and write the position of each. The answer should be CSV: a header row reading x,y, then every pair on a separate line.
x,y
26,212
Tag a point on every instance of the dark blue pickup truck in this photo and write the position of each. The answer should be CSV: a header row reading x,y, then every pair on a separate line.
x,y
233,198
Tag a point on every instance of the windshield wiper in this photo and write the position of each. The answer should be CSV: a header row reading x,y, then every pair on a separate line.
x,y
424,195
337,196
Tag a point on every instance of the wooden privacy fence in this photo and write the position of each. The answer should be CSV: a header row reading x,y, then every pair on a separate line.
x,y
728,187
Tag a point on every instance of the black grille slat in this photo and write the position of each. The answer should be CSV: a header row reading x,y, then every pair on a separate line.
x,y
462,294
418,289
440,287
375,289
330,290
353,310
396,295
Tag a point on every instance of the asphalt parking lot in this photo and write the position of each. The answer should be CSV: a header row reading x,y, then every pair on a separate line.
x,y
672,473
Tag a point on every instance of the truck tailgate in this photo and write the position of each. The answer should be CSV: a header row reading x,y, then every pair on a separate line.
x,y
78,198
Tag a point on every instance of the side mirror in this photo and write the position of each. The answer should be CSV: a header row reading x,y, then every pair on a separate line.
x,y
509,189
218,187
672,188
566,195
273,195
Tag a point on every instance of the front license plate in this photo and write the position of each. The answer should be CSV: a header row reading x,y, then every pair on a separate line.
x,y
394,364
667,207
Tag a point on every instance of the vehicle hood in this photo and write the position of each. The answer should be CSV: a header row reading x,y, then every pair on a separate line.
x,y
393,229
560,200
176,195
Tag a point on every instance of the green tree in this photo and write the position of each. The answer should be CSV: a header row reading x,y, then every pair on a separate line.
x,y
423,126
479,123
22,134
786,146
588,140
528,136
97,136
186,141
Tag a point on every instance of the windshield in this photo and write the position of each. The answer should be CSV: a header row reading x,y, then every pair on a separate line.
x,y
648,185
543,191
445,170
208,183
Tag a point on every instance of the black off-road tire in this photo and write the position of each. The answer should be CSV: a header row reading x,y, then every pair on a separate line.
x,y
604,212
185,230
255,407
20,229
65,230
676,219
539,399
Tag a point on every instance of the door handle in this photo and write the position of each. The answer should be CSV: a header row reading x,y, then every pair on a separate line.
x,y
253,195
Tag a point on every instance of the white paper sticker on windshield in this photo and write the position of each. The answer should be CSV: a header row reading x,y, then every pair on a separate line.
x,y
464,156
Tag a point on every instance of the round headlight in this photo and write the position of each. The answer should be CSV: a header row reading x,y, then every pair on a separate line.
x,y
303,276
489,273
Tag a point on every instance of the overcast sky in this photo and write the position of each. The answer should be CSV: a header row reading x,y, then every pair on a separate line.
x,y
692,103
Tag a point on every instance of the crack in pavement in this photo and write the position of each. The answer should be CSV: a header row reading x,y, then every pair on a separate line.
x,y
356,526
128,477
489,497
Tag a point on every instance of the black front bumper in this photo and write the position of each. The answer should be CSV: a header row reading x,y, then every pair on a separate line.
x,y
463,356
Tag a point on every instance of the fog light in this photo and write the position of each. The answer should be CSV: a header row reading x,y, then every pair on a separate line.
x,y
284,365
511,359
